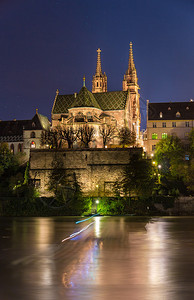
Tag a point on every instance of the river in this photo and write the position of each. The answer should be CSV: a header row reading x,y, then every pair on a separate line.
x,y
108,258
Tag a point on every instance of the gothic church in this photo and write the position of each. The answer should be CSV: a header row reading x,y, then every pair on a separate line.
x,y
101,108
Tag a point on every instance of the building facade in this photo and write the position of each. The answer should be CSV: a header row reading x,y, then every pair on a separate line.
x,y
101,108
163,119
23,135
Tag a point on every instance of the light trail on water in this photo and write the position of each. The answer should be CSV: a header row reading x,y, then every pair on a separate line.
x,y
77,233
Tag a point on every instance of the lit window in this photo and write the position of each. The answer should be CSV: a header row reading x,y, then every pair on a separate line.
x,y
178,114
173,124
12,148
161,115
154,136
154,125
186,124
32,145
164,135
164,124
169,108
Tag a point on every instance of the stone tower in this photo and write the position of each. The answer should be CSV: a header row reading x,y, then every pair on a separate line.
x,y
130,83
99,82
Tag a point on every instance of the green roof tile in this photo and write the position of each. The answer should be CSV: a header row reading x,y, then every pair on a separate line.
x,y
85,99
105,101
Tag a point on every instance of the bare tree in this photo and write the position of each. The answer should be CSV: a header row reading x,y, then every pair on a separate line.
x,y
52,139
85,135
70,136
106,132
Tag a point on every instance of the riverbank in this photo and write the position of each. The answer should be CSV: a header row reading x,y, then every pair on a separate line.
x,y
46,207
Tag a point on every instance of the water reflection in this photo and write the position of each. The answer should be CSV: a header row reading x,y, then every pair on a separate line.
x,y
115,258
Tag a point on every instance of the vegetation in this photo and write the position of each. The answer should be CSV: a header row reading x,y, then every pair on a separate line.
x,y
66,190
176,172
126,137
139,179
85,135
107,133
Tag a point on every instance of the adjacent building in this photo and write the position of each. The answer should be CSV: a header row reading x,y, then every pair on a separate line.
x,y
23,135
168,118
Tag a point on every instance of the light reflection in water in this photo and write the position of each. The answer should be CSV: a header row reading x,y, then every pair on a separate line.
x,y
85,267
157,262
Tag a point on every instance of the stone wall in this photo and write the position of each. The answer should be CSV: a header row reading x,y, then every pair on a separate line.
x,y
96,169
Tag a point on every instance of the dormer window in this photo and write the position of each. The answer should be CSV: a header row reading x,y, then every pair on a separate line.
x,y
178,114
33,124
161,115
187,108
169,108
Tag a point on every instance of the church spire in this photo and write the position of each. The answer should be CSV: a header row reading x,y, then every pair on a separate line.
x,y
130,78
131,65
98,66
99,82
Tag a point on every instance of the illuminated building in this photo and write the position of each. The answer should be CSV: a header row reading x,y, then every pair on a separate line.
x,y
23,135
168,118
100,107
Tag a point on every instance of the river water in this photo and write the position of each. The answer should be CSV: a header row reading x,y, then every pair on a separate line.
x,y
110,258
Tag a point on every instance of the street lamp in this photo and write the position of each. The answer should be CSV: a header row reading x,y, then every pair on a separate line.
x,y
97,201
159,167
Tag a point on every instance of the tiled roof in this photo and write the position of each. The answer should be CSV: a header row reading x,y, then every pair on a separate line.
x,y
63,103
85,99
171,111
105,101
112,100
13,130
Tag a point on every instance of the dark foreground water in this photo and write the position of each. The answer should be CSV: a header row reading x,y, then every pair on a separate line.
x,y
114,258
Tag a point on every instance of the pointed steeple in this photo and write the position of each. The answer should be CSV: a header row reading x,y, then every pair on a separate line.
x,y
130,77
131,65
98,66
99,82
130,84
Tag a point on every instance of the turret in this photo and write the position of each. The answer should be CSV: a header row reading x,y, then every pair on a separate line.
x,y
99,82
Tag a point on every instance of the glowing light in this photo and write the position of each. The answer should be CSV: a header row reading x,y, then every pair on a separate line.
x,y
159,166
97,201
76,233
153,162
152,154
97,227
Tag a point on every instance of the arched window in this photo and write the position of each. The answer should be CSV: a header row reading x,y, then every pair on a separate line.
x,y
19,147
12,148
33,145
32,135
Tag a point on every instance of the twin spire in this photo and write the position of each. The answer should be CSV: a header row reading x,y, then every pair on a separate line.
x,y
99,82
130,78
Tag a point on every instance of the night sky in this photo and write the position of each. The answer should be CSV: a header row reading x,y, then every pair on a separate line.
x,y
47,44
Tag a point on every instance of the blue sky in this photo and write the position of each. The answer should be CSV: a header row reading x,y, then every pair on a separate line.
x,y
47,45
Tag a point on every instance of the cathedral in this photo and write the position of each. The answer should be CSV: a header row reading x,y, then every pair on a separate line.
x,y
100,108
